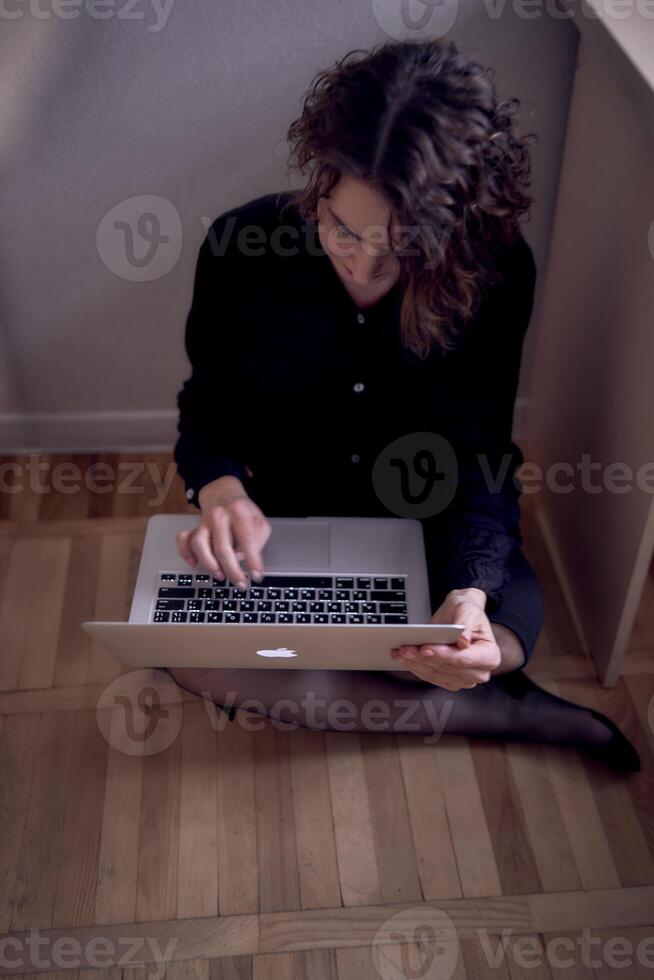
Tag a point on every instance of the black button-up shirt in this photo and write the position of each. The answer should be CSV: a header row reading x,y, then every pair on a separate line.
x,y
295,384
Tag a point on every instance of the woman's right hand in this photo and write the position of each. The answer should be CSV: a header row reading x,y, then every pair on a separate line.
x,y
231,527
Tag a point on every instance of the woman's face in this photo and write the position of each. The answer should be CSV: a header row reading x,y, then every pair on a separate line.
x,y
356,232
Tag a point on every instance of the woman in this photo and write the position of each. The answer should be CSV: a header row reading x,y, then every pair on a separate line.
x,y
389,296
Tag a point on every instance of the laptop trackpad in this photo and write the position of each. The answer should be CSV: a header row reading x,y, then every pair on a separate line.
x,y
297,544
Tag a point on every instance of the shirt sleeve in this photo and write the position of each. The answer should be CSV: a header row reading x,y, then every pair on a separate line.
x,y
206,448
471,541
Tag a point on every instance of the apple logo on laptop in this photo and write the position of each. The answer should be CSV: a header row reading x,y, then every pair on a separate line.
x,y
279,652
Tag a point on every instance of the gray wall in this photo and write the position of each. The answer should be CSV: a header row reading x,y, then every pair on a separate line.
x,y
189,104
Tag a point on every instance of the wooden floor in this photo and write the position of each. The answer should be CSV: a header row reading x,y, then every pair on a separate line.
x,y
235,853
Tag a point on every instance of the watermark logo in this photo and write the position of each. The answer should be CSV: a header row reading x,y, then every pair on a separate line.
x,y
139,713
416,475
425,20
415,20
424,946
140,239
153,12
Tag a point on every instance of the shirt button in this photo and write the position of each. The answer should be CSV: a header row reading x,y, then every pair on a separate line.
x,y
361,318
359,386
355,458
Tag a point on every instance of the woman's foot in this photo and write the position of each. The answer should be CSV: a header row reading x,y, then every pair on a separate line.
x,y
547,717
619,752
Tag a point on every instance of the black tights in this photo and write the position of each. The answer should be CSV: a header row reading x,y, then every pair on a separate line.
x,y
508,706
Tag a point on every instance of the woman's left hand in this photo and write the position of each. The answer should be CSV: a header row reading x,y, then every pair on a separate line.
x,y
465,663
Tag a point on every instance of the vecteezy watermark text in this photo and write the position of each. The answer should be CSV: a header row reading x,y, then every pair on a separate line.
x,y
419,474
422,20
139,712
67,477
29,951
156,12
140,238
339,715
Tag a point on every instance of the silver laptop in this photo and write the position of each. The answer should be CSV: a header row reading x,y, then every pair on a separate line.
x,y
338,592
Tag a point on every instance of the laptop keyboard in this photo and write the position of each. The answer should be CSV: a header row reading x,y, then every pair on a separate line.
x,y
325,599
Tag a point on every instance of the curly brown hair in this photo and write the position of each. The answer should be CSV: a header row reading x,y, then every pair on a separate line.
x,y
422,124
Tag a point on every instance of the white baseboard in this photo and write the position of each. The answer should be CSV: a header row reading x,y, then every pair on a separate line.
x,y
108,432
88,432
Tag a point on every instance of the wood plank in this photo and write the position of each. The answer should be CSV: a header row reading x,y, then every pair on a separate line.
x,y
473,847
396,858
386,963
41,845
197,969
112,602
274,966
107,973
74,645
77,875
432,841
622,952
67,487
130,489
37,668
641,640
628,843
475,958
420,959
198,831
582,821
279,886
25,504
353,828
316,847
638,663
525,957
238,868
598,909
231,968
17,762
121,826
357,964
7,531
6,542
544,823
345,927
316,964
17,603
103,474
163,488
156,943
73,526
641,784
66,699
516,864
158,857
631,706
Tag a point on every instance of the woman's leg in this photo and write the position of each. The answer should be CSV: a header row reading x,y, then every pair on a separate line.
x,y
374,701
509,706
